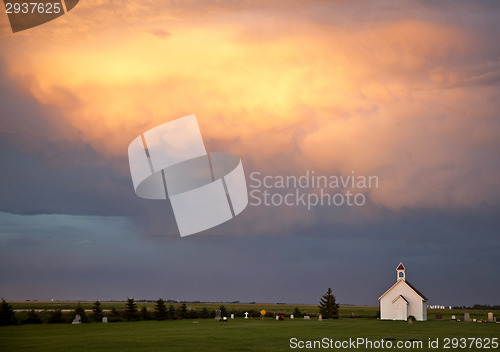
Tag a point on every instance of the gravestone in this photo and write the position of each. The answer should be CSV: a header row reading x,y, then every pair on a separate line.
x,y
307,317
320,318
104,319
224,319
490,316
473,320
410,320
277,317
466,316
246,315
232,316
292,316
453,317
77,320
218,314
439,317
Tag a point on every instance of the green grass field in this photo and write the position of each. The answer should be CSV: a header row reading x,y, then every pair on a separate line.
x,y
235,335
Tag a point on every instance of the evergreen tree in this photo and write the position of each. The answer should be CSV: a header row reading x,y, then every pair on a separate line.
x,y
296,313
131,309
32,318
328,308
161,312
81,311
115,312
171,312
7,315
145,314
223,311
56,317
97,311
183,313
204,313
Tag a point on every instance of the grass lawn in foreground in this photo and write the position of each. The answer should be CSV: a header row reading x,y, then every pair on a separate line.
x,y
235,335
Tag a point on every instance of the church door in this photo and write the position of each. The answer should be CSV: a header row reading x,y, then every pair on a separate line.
x,y
400,313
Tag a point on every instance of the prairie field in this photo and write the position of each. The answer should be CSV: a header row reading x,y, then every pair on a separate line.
x,y
252,334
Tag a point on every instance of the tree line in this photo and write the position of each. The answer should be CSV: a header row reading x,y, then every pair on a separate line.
x,y
478,307
328,308
162,311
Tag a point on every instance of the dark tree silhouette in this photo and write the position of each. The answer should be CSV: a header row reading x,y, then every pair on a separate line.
x,y
97,311
183,313
296,313
7,315
161,312
131,310
223,311
81,311
328,308
171,312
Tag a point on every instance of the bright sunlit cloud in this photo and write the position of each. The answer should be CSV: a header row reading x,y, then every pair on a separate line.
x,y
411,100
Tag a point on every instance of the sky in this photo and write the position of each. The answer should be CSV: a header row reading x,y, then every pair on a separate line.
x,y
407,92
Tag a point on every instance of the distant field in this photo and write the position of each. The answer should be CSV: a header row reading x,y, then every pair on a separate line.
x,y
235,335
356,311
121,305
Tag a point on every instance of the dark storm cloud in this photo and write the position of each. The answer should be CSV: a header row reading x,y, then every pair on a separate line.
x,y
90,256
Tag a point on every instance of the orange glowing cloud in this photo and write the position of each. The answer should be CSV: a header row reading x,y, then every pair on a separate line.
x,y
376,98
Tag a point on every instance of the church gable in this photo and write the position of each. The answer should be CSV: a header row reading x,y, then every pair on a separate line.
x,y
401,298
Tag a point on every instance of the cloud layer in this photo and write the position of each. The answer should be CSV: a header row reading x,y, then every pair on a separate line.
x,y
410,98
407,92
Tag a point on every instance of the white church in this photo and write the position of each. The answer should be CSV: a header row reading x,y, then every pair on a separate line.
x,y
402,300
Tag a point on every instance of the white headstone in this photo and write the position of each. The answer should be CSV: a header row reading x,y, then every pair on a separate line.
x,y
77,320
232,316
453,317
320,318
291,316
218,314
104,319
246,315
307,317
225,318
277,317
474,320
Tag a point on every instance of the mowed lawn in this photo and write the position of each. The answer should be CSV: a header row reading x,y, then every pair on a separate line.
x,y
235,335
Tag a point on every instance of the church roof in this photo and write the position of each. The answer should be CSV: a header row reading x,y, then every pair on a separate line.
x,y
401,267
416,291
409,285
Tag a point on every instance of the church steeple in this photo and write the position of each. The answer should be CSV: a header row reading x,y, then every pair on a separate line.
x,y
401,272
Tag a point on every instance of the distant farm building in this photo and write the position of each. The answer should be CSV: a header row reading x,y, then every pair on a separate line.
x,y
402,300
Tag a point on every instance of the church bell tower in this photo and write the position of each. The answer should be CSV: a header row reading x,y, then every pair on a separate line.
x,y
401,272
